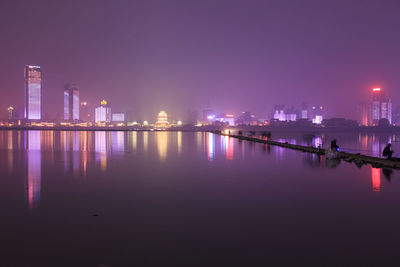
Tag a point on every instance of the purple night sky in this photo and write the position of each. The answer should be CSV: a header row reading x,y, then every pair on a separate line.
x,y
144,56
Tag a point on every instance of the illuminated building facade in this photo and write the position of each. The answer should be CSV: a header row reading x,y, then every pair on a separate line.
x,y
317,114
279,113
103,113
84,112
208,116
162,120
10,113
33,93
304,111
226,119
246,118
71,102
118,117
396,116
364,111
381,107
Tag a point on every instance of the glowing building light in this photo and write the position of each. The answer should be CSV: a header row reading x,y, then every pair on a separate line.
x,y
103,102
210,146
211,117
317,120
33,93
118,117
102,114
71,102
10,113
145,123
180,123
162,120
376,89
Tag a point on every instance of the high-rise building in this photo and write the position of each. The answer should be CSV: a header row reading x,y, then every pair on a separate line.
x,y
71,102
85,115
304,111
364,109
103,113
381,106
396,116
33,93
279,113
10,113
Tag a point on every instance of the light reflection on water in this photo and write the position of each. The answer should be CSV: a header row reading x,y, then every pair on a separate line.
x,y
366,144
186,186
80,150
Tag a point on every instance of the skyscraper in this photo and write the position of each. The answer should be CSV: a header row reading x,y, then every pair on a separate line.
x,y
381,106
33,93
71,102
10,113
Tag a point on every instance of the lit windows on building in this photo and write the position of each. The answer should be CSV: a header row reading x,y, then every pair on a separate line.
x,y
103,113
386,111
71,102
279,113
291,117
10,113
381,106
118,117
162,120
226,119
304,114
376,111
317,119
33,93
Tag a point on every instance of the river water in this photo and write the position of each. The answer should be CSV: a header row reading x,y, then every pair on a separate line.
x,y
192,199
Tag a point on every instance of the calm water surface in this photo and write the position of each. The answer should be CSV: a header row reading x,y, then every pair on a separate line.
x,y
191,199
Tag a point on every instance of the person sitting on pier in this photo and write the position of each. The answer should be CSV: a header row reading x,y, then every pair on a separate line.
x,y
334,146
387,151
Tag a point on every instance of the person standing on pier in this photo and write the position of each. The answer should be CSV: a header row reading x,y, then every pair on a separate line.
x,y
387,151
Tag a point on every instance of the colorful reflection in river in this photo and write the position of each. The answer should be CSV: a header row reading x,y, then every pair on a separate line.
x,y
376,179
210,146
227,146
101,149
162,145
79,153
34,168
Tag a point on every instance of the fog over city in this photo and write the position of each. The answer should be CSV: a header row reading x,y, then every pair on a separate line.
x,y
229,56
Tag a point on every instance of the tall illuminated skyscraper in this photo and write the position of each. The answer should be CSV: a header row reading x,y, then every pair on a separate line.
x,y
381,106
71,102
33,93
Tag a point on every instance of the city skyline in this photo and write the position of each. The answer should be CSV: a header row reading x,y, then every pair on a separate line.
x,y
149,57
368,114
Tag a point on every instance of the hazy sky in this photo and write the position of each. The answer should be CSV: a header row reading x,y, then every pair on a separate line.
x,y
144,56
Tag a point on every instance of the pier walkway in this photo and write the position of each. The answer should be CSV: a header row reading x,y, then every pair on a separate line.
x,y
355,158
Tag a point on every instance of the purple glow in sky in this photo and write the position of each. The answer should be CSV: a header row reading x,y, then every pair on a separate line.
x,y
233,55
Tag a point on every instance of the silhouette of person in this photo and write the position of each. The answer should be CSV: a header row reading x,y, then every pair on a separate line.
x,y
387,151
334,146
